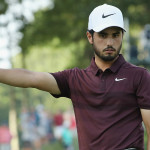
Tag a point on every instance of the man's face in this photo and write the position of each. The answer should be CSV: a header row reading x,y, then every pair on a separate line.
x,y
107,43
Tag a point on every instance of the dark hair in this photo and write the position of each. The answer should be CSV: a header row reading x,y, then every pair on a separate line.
x,y
91,32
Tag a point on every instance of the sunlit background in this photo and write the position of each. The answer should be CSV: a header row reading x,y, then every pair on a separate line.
x,y
50,36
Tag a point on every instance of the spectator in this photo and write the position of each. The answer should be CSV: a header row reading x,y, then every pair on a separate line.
x,y
67,137
26,129
43,125
50,127
58,125
5,137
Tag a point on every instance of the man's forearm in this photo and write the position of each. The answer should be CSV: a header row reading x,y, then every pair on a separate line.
x,y
15,77
25,79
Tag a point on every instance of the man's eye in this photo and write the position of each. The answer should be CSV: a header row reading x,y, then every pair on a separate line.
x,y
102,35
115,35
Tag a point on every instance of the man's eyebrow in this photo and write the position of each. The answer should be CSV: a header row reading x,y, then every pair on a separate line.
x,y
117,32
105,33
102,32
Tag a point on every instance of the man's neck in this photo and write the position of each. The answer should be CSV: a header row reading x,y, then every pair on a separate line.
x,y
103,65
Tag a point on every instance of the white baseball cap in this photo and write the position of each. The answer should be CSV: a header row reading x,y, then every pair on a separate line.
x,y
105,16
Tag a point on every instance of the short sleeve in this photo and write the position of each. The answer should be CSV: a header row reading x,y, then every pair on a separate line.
x,y
62,81
143,90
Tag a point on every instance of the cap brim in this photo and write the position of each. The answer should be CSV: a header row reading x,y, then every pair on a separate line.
x,y
99,29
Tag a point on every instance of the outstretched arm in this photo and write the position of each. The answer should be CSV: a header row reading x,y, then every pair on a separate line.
x,y
25,79
146,119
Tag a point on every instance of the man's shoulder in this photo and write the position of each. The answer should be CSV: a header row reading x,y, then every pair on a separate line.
x,y
77,70
67,73
135,71
133,67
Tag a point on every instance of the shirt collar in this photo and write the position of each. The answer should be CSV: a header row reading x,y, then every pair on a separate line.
x,y
93,67
117,64
114,68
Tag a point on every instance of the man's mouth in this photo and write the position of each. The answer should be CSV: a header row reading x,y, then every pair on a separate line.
x,y
109,50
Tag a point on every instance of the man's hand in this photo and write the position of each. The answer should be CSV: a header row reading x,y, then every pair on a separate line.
x,y
146,119
25,79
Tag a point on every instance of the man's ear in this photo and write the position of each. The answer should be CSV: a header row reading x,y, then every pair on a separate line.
x,y
90,37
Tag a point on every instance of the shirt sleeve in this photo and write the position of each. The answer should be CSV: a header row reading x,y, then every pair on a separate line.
x,y
62,79
143,90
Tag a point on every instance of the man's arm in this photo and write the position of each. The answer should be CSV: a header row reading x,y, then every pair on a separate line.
x,y
146,119
25,79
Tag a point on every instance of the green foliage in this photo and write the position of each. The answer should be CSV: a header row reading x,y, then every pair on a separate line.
x,y
3,6
145,139
4,110
58,146
70,23
5,102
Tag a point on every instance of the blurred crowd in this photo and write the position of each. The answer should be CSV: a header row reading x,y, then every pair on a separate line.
x,y
39,127
5,136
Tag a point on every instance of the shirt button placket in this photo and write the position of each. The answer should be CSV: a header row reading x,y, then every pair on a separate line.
x,y
103,83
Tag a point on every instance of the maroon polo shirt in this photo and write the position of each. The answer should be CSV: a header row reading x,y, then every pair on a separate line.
x,y
107,104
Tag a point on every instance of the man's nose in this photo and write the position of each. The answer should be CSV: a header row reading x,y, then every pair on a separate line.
x,y
110,41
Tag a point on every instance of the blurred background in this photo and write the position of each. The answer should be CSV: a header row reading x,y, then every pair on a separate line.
x,y
50,36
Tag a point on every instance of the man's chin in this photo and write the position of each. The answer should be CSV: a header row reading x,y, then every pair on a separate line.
x,y
109,58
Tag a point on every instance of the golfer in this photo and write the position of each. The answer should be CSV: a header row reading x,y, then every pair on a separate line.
x,y
111,97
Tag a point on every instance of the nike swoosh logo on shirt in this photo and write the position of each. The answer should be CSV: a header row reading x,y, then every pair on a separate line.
x,y
120,79
105,16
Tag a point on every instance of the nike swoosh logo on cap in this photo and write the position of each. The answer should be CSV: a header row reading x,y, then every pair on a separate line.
x,y
105,16
116,79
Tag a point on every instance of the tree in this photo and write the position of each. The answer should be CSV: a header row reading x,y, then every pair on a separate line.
x,y
3,6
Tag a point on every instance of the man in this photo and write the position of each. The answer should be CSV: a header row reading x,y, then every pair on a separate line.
x,y
111,97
